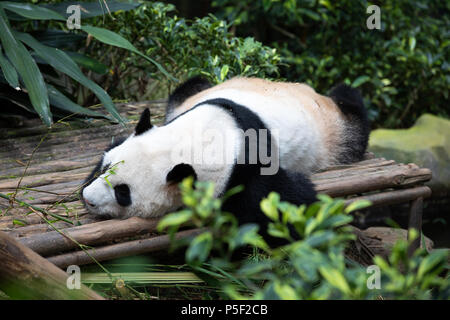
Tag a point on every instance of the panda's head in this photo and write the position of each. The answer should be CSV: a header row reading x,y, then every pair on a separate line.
x,y
135,178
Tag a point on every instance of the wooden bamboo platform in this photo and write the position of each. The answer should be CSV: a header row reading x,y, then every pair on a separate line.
x,y
63,157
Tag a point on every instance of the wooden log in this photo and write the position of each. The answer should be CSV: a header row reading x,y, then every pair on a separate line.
x,y
26,275
49,167
91,234
119,250
401,177
62,136
394,197
365,163
27,231
355,169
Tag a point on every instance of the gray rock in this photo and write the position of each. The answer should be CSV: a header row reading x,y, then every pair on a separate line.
x,y
426,144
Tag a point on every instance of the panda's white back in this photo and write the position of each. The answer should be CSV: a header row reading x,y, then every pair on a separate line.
x,y
307,124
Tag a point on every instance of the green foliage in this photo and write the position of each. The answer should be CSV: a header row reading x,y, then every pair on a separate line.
x,y
402,69
183,47
312,264
26,65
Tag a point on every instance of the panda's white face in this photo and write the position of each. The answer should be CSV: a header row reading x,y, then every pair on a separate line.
x,y
132,181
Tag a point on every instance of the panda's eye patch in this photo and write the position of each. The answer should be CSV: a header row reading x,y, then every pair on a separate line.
x,y
122,193
105,168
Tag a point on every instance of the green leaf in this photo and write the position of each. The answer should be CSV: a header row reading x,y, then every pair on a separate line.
x,y
92,9
62,62
60,101
433,260
269,210
199,248
336,221
335,278
59,38
18,222
357,205
174,219
248,235
9,72
412,43
285,292
27,69
31,11
254,268
360,80
88,62
269,206
320,238
224,72
116,40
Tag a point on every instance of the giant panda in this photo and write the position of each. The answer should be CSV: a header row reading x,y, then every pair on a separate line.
x,y
312,132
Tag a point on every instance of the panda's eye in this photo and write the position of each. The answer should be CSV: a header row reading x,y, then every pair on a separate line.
x,y
105,168
122,193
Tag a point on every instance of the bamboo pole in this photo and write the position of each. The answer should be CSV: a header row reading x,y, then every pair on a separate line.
x,y
91,234
26,275
394,197
119,250
404,176
39,228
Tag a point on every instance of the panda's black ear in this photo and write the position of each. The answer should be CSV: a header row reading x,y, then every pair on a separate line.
x,y
144,123
179,172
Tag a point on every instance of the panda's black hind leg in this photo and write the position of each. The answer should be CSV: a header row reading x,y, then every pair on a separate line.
x,y
350,102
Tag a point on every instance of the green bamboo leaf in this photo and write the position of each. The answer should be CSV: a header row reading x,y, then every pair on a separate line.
x,y
19,222
88,62
9,72
27,69
31,11
116,40
59,38
62,62
93,9
60,101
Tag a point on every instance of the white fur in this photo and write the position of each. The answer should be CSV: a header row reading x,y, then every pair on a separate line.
x,y
301,144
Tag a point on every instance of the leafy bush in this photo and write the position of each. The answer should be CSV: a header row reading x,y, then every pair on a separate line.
x,y
28,54
183,47
313,267
402,69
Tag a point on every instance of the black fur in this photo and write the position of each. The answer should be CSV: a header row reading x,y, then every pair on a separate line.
x,y
189,88
350,102
295,188
122,193
144,123
179,172
98,168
